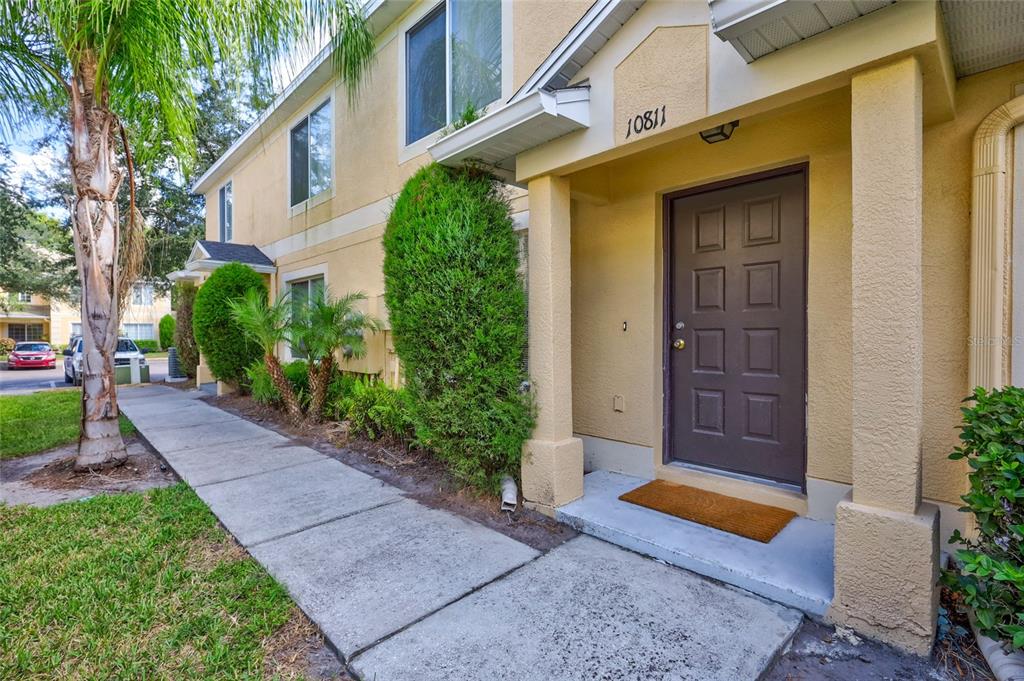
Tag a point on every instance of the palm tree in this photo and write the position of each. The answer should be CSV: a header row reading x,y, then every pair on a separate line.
x,y
120,71
325,327
268,324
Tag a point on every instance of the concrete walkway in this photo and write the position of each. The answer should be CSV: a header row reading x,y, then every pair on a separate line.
x,y
403,591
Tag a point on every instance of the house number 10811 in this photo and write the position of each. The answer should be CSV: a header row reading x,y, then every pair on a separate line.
x,y
652,119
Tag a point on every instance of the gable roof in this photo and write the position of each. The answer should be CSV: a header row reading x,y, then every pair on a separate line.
x,y
228,252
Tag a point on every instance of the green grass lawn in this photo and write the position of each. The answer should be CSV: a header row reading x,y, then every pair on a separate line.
x,y
132,586
156,355
40,421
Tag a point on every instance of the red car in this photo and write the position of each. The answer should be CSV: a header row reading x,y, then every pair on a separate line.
x,y
34,355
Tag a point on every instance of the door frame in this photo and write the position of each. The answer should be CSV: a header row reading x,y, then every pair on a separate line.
x,y
668,270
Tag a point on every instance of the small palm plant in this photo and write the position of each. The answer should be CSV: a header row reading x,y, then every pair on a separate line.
x,y
323,327
268,324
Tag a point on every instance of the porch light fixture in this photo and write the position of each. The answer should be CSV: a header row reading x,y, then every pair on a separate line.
x,y
719,133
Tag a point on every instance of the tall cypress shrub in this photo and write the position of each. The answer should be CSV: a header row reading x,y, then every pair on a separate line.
x,y
184,339
458,311
226,347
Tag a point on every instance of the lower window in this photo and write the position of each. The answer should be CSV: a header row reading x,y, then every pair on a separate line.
x,y
302,291
139,331
25,332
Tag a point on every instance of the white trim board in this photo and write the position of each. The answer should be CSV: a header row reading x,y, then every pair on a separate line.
x,y
1017,267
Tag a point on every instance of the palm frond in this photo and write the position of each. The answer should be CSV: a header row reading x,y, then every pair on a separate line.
x,y
265,323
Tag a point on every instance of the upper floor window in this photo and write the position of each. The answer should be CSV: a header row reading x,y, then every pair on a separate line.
x,y
310,154
142,294
226,212
24,297
453,59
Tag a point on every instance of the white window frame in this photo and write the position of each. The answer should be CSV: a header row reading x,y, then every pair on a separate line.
x,y
75,332
24,297
329,193
225,222
408,151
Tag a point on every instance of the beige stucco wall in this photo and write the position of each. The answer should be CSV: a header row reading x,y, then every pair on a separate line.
x,y
616,273
539,26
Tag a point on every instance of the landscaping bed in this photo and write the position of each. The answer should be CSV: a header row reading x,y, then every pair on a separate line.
x,y
143,586
421,476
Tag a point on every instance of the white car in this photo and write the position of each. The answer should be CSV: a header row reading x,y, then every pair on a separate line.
x,y
126,350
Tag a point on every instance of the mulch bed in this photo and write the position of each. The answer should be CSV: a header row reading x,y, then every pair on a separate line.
x,y
61,474
959,655
416,472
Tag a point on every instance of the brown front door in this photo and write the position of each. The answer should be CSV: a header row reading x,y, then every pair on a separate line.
x,y
736,326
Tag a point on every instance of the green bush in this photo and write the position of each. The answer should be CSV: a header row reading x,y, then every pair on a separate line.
x,y
150,345
458,310
227,349
184,338
991,574
166,331
339,394
261,387
377,411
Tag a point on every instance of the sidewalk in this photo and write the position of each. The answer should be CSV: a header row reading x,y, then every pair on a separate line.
x,y
403,591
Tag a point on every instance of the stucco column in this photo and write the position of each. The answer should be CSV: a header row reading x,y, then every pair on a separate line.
x,y
552,458
886,539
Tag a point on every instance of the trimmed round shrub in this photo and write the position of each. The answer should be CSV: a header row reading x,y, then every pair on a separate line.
x,y
227,349
184,338
991,565
457,307
166,331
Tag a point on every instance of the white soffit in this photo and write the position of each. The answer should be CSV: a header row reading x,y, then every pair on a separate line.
x,y
497,138
984,35
759,27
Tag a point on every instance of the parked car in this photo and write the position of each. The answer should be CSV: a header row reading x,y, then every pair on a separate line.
x,y
126,351
32,355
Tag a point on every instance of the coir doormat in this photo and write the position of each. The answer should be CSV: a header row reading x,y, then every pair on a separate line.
x,y
745,518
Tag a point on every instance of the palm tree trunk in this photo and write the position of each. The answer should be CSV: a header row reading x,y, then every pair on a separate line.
x,y
319,381
284,388
96,181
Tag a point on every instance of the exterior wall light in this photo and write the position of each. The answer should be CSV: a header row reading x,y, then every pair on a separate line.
x,y
719,133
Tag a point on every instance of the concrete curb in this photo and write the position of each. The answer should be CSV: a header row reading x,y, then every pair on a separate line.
x,y
1004,667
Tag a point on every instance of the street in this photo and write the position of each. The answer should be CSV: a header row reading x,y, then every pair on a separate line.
x,y
29,380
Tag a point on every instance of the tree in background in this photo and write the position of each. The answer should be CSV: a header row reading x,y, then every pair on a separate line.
x,y
119,71
30,246
184,338
166,331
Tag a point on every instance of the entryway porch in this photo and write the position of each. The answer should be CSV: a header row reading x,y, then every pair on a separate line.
x,y
795,568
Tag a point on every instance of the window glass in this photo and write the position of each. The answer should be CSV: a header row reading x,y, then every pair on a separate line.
x,y
300,293
76,328
139,331
226,213
320,150
300,162
142,294
311,152
31,347
24,297
25,332
126,345
475,54
426,108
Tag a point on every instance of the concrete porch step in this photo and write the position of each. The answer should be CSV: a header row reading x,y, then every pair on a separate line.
x,y
795,568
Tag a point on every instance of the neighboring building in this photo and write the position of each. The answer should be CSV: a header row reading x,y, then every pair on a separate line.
x,y
34,317
788,311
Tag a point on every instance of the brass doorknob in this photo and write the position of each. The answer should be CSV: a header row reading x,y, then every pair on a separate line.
x,y
679,344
